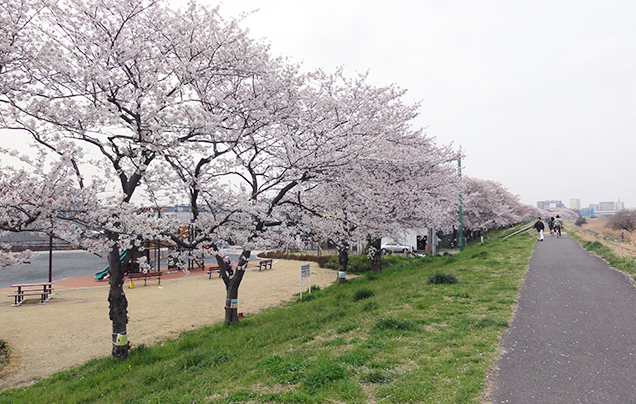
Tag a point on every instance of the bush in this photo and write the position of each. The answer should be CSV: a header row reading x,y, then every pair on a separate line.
x,y
358,264
322,260
580,221
439,278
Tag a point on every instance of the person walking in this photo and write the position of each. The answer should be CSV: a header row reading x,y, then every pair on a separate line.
x,y
551,226
539,227
558,224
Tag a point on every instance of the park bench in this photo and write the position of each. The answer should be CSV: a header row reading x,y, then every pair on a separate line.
x,y
43,290
264,263
213,268
145,276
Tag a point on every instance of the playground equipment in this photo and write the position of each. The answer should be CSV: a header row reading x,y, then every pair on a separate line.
x,y
101,274
151,250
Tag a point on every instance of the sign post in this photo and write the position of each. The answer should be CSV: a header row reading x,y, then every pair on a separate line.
x,y
305,272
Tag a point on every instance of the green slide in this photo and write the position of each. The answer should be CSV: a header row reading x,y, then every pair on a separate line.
x,y
101,274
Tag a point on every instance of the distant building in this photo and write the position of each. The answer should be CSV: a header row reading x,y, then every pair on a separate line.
x,y
547,205
587,212
575,204
594,206
607,206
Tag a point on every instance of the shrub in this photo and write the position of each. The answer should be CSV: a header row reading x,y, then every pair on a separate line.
x,y
358,264
362,293
580,221
439,278
322,260
332,263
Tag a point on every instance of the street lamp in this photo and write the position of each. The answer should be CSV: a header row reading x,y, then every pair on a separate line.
x,y
460,240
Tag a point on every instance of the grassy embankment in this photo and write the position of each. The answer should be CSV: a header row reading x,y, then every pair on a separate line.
x,y
605,243
393,337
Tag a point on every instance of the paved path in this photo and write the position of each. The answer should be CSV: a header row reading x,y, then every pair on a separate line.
x,y
573,338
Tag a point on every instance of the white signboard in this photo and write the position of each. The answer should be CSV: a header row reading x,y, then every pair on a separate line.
x,y
305,272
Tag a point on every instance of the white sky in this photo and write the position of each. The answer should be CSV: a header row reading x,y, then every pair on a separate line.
x,y
541,95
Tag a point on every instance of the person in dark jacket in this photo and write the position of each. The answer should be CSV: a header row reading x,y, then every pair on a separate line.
x,y
558,225
539,226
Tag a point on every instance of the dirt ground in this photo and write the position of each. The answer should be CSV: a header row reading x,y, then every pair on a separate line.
x,y
73,326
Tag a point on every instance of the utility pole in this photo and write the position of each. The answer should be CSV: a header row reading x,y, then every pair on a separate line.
x,y
460,238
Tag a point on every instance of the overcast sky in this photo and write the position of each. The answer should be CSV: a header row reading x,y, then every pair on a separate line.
x,y
541,95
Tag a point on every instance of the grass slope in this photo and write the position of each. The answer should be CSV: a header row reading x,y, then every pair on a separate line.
x,y
393,337
606,247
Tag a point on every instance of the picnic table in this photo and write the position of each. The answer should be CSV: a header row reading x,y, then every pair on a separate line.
x,y
43,289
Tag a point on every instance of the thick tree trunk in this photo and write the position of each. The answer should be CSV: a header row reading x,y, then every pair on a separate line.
x,y
376,261
343,260
118,304
232,285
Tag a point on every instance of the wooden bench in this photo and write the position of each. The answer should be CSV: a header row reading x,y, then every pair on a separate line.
x,y
145,276
264,263
43,289
213,268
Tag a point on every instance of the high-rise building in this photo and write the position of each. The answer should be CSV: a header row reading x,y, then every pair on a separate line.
x,y
550,204
575,204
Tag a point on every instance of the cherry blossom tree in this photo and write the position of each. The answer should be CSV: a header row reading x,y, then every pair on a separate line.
x,y
397,179
400,187
488,205
110,86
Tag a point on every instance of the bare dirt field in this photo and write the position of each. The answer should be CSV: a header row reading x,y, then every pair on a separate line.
x,y
73,326
596,230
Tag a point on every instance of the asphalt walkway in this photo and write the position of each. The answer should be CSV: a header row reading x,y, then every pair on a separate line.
x,y
573,338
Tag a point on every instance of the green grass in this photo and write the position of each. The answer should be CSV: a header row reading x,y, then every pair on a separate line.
x,y
390,337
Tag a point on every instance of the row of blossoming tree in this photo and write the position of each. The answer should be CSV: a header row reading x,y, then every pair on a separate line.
x,y
131,103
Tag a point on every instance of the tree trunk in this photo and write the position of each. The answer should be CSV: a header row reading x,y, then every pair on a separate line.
x,y
343,260
377,255
232,285
118,304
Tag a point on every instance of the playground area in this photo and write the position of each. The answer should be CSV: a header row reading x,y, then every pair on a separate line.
x,y
74,327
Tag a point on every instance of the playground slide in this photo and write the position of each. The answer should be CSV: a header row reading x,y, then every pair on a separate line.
x,y
101,274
